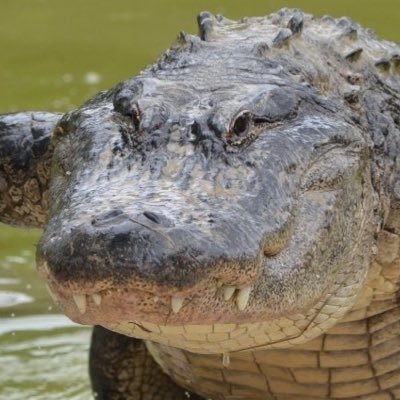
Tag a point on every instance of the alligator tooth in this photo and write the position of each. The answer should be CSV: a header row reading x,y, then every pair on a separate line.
x,y
80,301
52,295
242,297
176,304
228,292
46,268
96,298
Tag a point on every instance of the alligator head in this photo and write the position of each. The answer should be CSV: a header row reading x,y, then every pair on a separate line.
x,y
216,202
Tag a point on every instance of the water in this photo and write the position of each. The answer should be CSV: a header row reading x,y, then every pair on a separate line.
x,y
43,355
54,55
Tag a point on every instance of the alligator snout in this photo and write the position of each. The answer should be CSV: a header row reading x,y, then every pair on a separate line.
x,y
146,265
148,250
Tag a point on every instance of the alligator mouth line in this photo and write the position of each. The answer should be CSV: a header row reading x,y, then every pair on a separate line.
x,y
83,302
241,297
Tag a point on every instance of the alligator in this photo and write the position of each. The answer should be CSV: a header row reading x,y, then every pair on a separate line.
x,y
228,219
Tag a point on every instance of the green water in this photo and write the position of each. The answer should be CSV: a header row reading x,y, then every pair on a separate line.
x,y
54,55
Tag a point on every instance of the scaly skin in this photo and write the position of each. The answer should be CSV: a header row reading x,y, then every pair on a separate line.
x,y
122,368
25,160
236,206
358,358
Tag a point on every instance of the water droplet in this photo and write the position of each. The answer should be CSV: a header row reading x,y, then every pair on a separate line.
x,y
92,78
226,360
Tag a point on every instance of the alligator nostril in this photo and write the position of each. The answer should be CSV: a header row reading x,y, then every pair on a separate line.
x,y
152,216
108,216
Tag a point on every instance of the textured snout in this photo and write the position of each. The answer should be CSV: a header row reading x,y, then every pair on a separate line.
x,y
147,250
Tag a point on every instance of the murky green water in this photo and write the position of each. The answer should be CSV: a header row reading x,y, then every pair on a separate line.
x,y
43,355
54,55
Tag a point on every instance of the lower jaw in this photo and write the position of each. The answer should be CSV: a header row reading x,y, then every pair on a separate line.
x,y
201,333
257,334
222,338
197,329
215,335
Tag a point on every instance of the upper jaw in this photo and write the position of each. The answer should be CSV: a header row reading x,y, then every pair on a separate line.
x,y
162,278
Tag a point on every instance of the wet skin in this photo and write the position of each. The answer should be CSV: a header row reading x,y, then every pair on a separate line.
x,y
237,185
204,203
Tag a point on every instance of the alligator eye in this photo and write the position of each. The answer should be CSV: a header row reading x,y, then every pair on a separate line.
x,y
136,114
240,128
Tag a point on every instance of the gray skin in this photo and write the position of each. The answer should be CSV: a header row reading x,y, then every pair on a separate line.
x,y
261,155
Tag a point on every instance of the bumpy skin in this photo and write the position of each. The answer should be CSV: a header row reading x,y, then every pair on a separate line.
x,y
25,160
236,205
122,368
